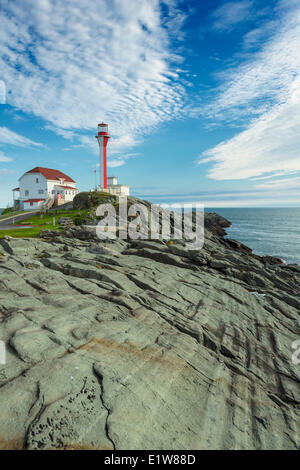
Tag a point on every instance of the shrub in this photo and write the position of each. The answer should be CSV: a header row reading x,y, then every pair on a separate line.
x,y
86,200
7,210
79,220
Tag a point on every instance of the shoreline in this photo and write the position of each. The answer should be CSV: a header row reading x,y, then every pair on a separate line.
x,y
270,233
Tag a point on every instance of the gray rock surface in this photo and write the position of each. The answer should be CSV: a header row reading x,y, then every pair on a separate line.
x,y
144,345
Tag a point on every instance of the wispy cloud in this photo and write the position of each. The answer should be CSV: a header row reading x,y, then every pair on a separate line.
x,y
4,158
77,63
284,183
230,14
120,160
62,132
6,172
2,92
116,163
9,137
272,176
266,88
282,194
256,197
256,36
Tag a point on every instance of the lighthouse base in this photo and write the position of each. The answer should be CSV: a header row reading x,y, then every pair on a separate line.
x,y
116,189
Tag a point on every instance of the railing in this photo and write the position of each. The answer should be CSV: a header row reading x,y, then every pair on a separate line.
x,y
48,204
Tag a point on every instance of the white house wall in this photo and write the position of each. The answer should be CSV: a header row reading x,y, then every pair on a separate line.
x,y
27,206
69,197
66,193
51,185
36,190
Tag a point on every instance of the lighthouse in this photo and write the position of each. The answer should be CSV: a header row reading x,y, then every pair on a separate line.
x,y
109,185
102,138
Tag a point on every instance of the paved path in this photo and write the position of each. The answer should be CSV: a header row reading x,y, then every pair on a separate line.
x,y
9,220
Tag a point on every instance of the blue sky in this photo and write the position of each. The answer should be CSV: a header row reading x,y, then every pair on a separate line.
x,y
202,97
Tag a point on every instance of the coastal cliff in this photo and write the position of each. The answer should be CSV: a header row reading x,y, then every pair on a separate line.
x,y
145,345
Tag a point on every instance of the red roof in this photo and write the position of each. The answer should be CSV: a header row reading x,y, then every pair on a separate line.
x,y
51,174
34,200
16,189
66,187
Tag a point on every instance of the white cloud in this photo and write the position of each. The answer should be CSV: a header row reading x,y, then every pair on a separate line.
x,y
115,163
268,88
9,137
2,92
4,158
75,64
256,36
62,132
121,143
273,175
284,183
120,160
231,13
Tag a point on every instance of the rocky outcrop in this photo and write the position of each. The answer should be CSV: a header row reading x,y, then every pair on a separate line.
x,y
145,345
216,224
86,200
65,222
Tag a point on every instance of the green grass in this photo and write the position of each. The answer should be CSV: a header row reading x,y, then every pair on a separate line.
x,y
22,233
44,222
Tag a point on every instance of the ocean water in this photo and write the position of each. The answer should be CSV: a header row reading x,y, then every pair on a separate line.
x,y
268,231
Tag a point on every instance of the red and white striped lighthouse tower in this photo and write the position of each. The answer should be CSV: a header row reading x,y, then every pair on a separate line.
x,y
102,138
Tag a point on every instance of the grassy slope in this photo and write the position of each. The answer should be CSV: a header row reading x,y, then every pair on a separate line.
x,y
11,214
46,222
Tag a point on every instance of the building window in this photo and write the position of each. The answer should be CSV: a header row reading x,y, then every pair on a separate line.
x,y
31,203
26,192
41,191
36,180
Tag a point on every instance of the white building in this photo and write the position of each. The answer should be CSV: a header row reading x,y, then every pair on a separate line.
x,y
114,188
44,184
